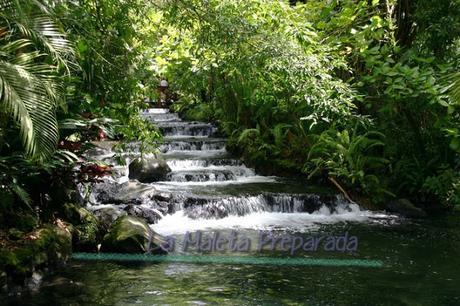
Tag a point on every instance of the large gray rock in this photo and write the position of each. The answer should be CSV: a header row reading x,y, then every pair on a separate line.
x,y
148,169
107,216
131,192
166,203
405,208
129,234
149,214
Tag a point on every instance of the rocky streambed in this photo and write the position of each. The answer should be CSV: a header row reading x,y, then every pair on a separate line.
x,y
194,180
194,187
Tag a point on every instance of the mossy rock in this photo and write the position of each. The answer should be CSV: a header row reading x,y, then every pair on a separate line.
x,y
130,234
107,216
48,246
77,215
55,242
86,229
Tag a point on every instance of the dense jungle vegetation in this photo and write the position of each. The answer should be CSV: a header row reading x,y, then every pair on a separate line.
x,y
363,95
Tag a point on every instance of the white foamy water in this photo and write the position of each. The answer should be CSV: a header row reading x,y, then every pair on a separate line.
x,y
179,223
201,164
198,164
182,137
197,154
238,170
190,146
156,111
239,180
162,117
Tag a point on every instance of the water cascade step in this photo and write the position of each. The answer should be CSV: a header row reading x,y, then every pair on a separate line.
x,y
215,208
208,188
179,128
192,144
200,163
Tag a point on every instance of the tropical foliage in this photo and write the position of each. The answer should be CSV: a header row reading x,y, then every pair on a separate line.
x,y
308,87
363,95
32,51
69,74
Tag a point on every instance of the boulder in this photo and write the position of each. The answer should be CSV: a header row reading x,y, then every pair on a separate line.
x,y
46,247
131,192
149,214
166,202
130,234
405,208
85,227
107,216
148,169
163,197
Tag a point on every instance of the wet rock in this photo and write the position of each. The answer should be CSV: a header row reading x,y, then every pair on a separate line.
x,y
65,286
165,202
34,281
86,229
100,149
208,175
163,197
211,207
104,145
166,207
405,208
45,247
131,192
148,169
300,202
107,216
107,192
149,214
130,234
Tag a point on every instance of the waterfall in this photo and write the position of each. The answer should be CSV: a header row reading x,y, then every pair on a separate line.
x,y
208,188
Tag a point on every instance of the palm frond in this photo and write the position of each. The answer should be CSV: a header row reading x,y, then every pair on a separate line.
x,y
33,20
28,94
453,87
32,50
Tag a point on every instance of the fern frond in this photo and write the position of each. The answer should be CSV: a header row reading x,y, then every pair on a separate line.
x,y
247,133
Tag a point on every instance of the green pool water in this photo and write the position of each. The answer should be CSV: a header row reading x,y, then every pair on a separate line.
x,y
421,267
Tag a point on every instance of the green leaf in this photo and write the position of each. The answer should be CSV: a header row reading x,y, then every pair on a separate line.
x,y
455,144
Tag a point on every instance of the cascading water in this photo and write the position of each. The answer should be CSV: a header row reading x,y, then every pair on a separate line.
x,y
208,192
208,189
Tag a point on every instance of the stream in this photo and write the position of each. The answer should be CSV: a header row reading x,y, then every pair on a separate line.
x,y
209,191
